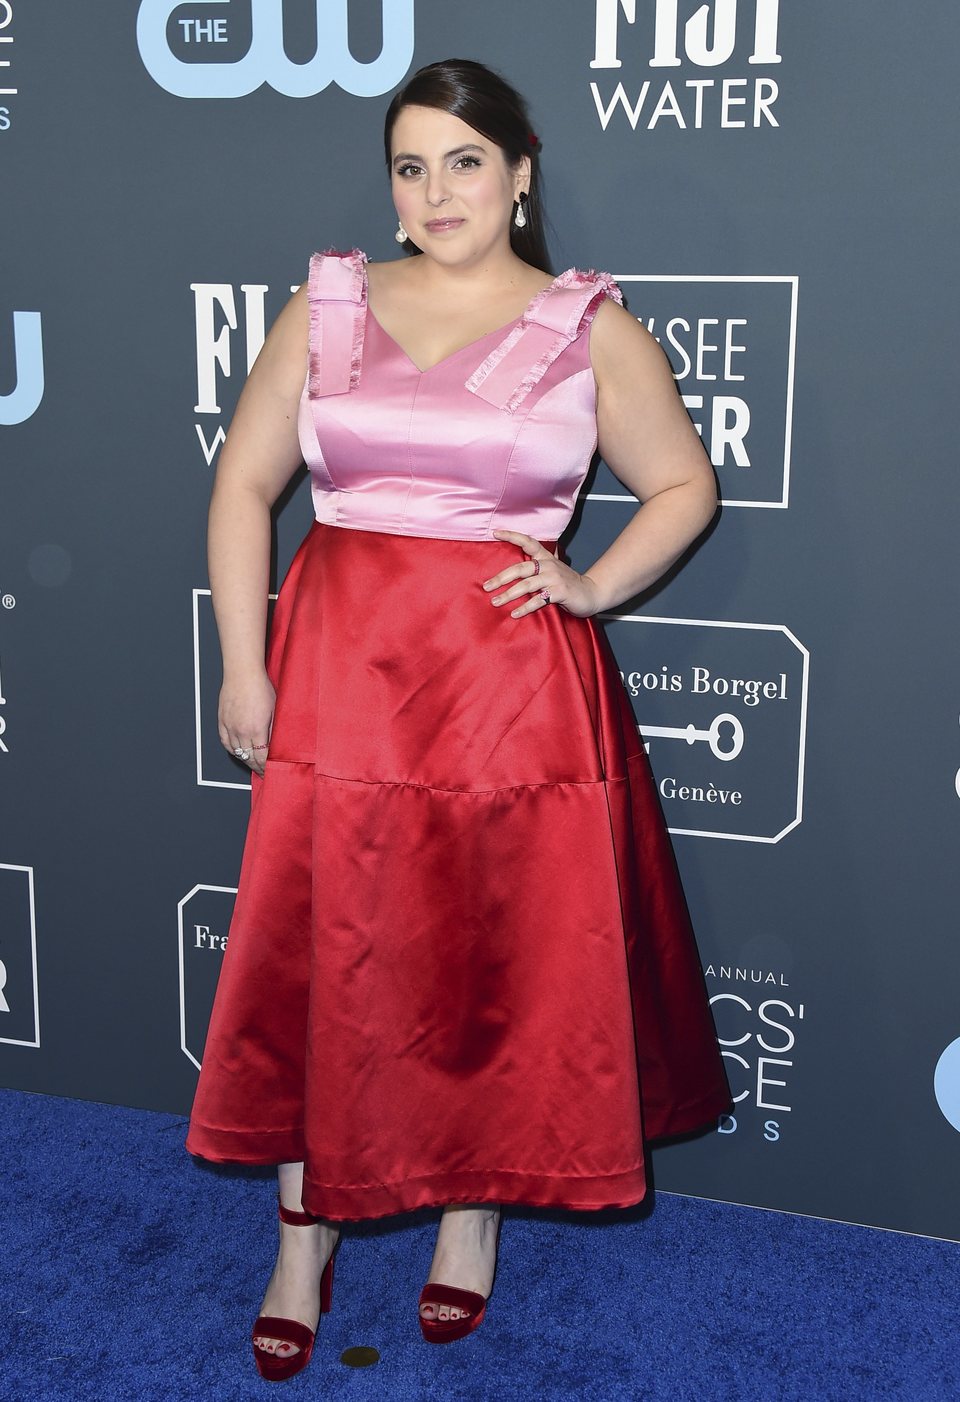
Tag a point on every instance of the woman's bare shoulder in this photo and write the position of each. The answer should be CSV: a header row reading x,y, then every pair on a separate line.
x,y
617,339
390,273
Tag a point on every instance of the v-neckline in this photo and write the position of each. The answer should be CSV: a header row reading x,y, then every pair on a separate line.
x,y
497,331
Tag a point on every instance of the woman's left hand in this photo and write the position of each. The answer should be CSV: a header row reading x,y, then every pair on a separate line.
x,y
575,592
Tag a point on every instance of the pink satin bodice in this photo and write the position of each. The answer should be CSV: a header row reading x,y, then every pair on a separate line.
x,y
499,434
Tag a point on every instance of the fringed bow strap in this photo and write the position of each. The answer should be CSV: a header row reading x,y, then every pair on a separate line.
x,y
554,319
337,294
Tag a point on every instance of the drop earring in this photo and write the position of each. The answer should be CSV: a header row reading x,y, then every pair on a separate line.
x,y
401,234
520,218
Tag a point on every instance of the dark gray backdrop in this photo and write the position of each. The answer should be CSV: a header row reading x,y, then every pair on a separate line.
x,y
802,278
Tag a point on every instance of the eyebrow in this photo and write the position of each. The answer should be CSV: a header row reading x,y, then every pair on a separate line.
x,y
457,151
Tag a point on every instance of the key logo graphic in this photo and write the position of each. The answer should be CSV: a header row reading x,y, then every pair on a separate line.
x,y
722,710
191,49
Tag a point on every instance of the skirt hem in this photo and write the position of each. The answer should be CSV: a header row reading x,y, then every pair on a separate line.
x,y
588,1194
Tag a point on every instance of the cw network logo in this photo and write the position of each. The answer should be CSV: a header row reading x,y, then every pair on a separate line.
x,y
206,30
24,399
710,37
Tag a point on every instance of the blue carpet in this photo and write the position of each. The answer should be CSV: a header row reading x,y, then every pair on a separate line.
x,y
132,1273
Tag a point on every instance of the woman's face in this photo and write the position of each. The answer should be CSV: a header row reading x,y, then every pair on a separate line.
x,y
452,187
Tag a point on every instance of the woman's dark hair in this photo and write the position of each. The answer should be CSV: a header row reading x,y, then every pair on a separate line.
x,y
483,100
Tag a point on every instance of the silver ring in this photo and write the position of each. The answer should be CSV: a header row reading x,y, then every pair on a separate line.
x,y
545,594
242,754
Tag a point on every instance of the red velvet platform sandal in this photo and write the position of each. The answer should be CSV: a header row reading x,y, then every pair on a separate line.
x,y
444,1331
291,1331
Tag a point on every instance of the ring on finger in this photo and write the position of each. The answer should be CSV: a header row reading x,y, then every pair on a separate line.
x,y
545,595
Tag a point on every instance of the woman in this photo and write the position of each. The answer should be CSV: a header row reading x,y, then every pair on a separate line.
x,y
460,970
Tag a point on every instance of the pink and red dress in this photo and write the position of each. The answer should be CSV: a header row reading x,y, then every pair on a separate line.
x,y
460,966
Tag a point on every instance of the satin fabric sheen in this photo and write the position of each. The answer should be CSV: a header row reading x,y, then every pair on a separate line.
x,y
460,966
499,434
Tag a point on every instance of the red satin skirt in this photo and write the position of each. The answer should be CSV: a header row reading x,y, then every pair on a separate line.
x,y
460,966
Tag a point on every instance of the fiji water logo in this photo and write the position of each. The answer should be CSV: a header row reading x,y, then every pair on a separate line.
x,y
24,399
704,42
708,38
205,27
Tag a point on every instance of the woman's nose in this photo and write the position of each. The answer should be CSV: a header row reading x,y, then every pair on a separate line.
x,y
437,191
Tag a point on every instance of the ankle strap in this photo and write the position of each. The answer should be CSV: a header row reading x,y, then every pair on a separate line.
x,y
295,1219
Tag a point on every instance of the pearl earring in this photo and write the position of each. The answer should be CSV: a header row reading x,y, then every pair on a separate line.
x,y
520,219
401,234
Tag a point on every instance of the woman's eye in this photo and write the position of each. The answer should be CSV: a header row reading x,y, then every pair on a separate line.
x,y
410,168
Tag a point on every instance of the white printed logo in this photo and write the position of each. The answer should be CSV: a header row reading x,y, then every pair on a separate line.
x,y
215,316
732,344
201,29
712,35
215,768
6,61
722,709
19,997
204,916
757,1030
4,749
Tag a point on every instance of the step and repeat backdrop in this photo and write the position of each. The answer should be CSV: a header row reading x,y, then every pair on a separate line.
x,y
770,182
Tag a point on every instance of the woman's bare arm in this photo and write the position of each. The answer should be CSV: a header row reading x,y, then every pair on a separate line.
x,y
648,441
260,454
